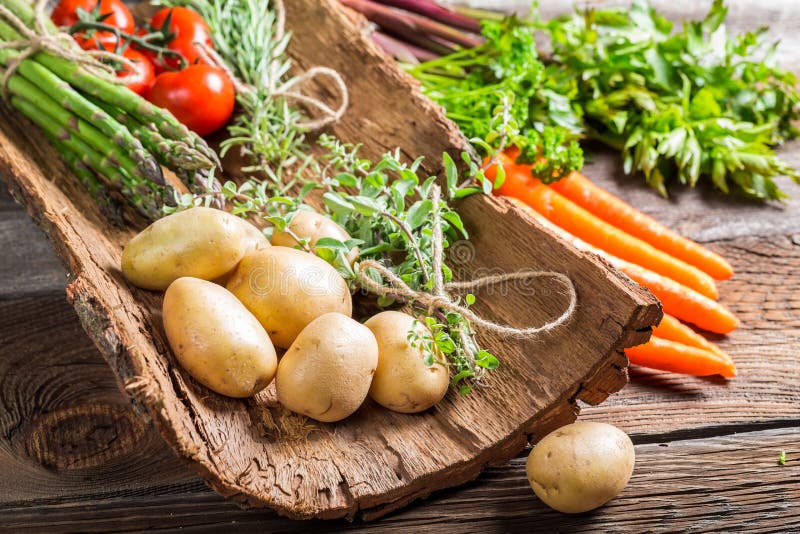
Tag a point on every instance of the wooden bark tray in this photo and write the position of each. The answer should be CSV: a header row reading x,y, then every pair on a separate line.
x,y
376,461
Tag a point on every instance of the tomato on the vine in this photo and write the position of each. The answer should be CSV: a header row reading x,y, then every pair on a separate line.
x,y
111,12
200,96
139,77
183,27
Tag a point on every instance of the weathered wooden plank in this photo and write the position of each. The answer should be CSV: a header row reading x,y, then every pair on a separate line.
x,y
103,470
728,483
28,265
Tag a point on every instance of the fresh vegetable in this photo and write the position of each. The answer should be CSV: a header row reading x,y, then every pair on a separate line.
x,y
684,105
286,289
389,207
141,75
409,378
326,373
200,96
676,299
254,239
307,228
67,101
577,221
619,213
436,12
110,12
497,92
201,242
676,357
417,29
683,302
216,339
672,329
183,29
269,132
687,105
580,466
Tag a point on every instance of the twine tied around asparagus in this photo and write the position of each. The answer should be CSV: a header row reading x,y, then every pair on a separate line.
x,y
41,38
292,89
440,297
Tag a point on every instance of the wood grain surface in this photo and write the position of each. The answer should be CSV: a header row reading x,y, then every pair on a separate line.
x,y
258,453
706,450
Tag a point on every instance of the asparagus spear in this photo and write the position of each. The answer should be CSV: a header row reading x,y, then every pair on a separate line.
x,y
117,95
97,151
170,152
99,190
61,115
57,89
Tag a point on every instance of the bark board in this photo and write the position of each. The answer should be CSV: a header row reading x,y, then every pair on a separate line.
x,y
376,460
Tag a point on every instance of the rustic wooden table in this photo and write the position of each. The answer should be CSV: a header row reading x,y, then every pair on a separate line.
x,y
74,457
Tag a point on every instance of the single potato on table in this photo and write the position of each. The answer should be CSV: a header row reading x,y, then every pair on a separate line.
x,y
581,466
327,371
403,382
286,289
312,226
216,339
199,242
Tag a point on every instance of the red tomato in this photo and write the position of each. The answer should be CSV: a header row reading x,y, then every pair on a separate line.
x,y
200,96
112,12
140,77
186,27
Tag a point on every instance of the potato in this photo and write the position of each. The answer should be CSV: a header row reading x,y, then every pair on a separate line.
x,y
580,466
254,239
199,242
313,226
402,381
286,289
327,371
216,339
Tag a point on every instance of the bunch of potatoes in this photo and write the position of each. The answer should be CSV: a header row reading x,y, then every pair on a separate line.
x,y
232,297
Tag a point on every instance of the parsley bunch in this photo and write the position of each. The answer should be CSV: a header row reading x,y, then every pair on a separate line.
x,y
500,94
680,105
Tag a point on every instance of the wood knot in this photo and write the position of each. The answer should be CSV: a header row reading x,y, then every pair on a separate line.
x,y
83,436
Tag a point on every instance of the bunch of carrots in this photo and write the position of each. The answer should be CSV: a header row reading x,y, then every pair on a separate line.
x,y
679,272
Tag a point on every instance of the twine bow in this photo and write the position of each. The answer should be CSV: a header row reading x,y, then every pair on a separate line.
x,y
291,90
41,38
439,298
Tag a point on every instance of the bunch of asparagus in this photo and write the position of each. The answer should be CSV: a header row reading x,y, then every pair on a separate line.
x,y
111,138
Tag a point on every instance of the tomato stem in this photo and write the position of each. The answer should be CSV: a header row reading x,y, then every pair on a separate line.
x,y
144,42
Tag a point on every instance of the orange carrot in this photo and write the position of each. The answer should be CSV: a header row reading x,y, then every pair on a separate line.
x,y
684,303
666,355
672,329
579,222
616,211
676,299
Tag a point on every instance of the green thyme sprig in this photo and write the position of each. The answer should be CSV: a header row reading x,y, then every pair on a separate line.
x,y
390,214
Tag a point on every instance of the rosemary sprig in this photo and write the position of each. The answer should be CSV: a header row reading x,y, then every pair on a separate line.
x,y
249,36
